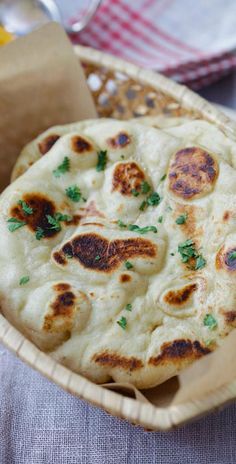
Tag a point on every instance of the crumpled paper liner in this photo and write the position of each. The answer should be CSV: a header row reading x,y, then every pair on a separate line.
x,y
43,84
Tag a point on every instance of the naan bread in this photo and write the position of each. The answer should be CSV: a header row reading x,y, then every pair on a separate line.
x,y
132,277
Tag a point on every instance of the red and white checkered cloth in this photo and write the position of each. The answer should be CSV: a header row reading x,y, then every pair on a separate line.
x,y
190,41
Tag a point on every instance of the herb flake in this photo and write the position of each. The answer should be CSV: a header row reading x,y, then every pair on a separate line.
x,y
163,177
145,187
160,219
102,160
24,280
39,233
14,224
128,307
122,322
232,256
73,192
142,230
210,322
62,168
25,207
97,258
128,265
182,219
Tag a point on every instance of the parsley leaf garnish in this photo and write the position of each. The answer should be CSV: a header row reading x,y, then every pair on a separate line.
x,y
56,219
73,192
102,160
160,219
232,256
97,258
39,233
145,187
62,168
142,230
121,224
152,200
200,262
14,224
128,307
182,219
210,322
26,208
135,192
122,322
163,178
24,280
128,265
187,251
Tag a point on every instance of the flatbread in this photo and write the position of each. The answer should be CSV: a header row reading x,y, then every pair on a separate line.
x,y
44,142
108,299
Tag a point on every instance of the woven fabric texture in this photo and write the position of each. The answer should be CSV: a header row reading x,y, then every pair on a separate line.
x,y
42,424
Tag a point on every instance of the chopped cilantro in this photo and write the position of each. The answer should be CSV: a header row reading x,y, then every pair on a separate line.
x,y
122,322
135,192
128,307
187,251
14,224
26,208
73,192
122,156
63,217
62,168
181,219
153,199
145,187
56,219
24,280
39,233
232,256
210,322
172,254
102,160
200,262
97,258
160,219
121,224
163,178
143,205
142,230
128,265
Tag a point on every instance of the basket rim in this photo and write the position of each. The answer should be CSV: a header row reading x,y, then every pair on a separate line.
x,y
137,412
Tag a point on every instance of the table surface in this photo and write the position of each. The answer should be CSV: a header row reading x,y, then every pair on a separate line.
x,y
40,423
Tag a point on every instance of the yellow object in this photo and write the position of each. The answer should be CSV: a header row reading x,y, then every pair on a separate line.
x,y
5,36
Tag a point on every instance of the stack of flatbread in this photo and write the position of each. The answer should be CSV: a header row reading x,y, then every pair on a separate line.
x,y
118,246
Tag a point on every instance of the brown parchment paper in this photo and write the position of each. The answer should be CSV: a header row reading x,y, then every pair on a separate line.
x,y
43,84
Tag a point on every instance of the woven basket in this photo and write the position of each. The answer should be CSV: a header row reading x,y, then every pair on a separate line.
x,y
122,90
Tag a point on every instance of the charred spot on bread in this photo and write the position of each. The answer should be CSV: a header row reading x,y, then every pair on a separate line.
x,y
192,173
89,246
121,140
46,144
80,144
179,350
42,206
127,177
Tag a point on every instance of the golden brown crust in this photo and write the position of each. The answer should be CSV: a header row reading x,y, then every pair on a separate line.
x,y
46,144
181,296
110,359
98,253
127,177
192,172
